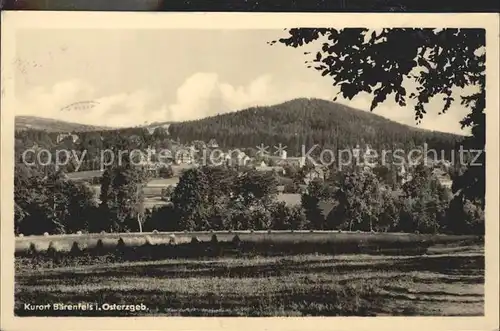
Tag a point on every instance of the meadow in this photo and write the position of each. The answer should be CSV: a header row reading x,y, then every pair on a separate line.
x,y
260,274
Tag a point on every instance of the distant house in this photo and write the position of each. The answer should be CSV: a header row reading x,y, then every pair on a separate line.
x,y
184,156
151,130
284,160
63,136
443,177
239,157
403,175
246,160
315,173
199,145
295,161
266,168
212,144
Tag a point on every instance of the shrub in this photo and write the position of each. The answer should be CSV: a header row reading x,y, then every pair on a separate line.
x,y
45,234
21,235
32,250
103,232
121,244
100,244
195,240
79,232
236,240
172,239
155,231
53,249
75,249
214,239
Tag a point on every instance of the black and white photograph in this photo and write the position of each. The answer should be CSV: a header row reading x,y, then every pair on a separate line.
x,y
245,165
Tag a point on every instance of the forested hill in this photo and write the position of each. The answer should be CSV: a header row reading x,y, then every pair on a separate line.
x,y
307,122
53,125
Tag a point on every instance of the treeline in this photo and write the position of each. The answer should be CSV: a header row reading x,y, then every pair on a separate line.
x,y
308,122
89,146
229,198
297,123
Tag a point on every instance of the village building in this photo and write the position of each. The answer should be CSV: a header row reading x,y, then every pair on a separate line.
x,y
63,136
212,144
314,174
184,156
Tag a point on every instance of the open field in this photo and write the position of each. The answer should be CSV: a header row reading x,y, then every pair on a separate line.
x,y
447,281
281,273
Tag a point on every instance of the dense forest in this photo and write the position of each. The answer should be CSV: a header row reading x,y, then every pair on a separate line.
x,y
308,122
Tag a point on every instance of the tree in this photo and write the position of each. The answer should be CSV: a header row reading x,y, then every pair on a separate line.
x,y
315,193
425,202
386,175
162,218
438,61
166,193
253,187
358,197
390,209
191,199
122,198
50,203
287,218
464,217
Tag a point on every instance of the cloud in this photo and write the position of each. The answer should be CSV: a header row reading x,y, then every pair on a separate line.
x,y
205,94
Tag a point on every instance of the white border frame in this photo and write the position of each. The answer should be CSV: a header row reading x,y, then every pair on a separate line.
x,y
13,21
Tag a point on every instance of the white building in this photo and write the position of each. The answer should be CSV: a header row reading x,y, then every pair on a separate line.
x,y
63,136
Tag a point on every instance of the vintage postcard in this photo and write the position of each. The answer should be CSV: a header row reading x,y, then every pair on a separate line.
x,y
305,170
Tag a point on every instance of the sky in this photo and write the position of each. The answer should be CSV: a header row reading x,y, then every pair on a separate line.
x,y
143,76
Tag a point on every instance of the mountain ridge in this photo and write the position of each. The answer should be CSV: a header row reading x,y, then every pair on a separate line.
x,y
26,122
308,121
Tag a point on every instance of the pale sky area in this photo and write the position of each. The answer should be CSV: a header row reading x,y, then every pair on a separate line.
x,y
174,75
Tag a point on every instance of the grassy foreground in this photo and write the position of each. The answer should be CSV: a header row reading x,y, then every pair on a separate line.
x,y
447,280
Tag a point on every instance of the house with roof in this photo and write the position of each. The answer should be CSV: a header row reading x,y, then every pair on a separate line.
x,y
314,174
63,136
184,156
212,144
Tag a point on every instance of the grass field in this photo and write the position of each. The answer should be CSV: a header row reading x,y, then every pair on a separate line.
x,y
445,281
281,273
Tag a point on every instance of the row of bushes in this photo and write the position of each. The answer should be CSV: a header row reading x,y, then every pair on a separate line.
x,y
131,250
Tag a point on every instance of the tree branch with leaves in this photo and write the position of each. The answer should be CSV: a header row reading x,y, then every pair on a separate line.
x,y
439,62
